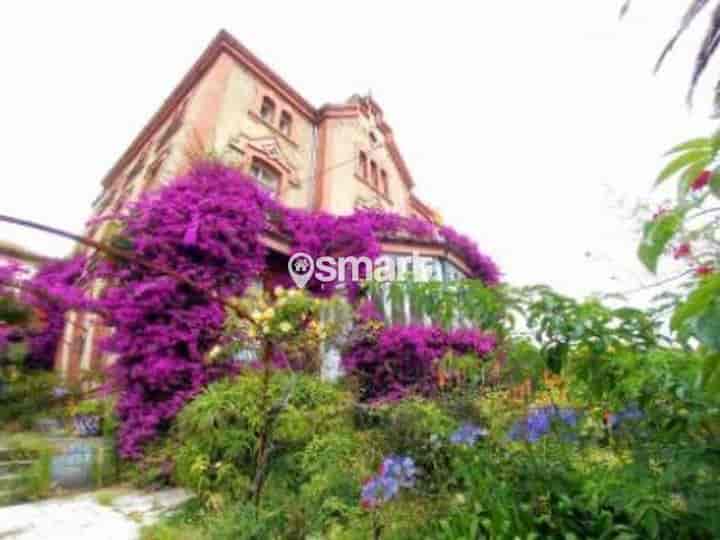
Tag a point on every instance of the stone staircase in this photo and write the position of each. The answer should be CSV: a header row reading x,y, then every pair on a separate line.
x,y
10,469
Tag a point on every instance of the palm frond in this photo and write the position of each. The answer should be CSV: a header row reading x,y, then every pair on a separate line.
x,y
625,8
693,11
707,49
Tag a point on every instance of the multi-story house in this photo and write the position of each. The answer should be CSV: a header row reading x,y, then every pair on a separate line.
x,y
336,158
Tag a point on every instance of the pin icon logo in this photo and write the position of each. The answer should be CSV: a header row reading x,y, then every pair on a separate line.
x,y
301,267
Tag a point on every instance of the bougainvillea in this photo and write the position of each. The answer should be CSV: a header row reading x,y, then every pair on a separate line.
x,y
391,363
47,294
51,292
207,226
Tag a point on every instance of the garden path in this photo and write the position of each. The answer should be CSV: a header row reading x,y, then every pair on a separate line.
x,y
104,515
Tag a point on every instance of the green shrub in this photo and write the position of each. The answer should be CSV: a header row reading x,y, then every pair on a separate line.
x,y
25,396
419,428
218,432
35,481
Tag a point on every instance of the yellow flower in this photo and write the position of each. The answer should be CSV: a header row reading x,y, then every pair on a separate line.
x,y
269,313
279,291
285,327
256,315
293,292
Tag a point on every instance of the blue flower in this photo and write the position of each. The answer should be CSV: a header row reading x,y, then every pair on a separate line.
x,y
629,414
468,434
378,490
539,422
395,472
402,469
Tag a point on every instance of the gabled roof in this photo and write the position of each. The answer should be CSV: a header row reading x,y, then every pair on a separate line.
x,y
224,42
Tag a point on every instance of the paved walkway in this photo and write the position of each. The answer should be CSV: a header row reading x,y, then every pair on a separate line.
x,y
83,517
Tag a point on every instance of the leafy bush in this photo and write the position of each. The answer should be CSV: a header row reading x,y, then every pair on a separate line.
x,y
218,432
26,395
35,481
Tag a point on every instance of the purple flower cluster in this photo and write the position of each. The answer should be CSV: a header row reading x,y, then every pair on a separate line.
x,y
205,226
631,413
539,422
481,266
9,273
52,291
468,435
49,293
401,360
395,472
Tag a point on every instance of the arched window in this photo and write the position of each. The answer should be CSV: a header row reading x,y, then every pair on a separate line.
x,y
267,110
374,174
384,182
285,123
373,139
266,174
363,165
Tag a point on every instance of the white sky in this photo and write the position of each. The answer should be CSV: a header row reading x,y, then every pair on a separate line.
x,y
522,122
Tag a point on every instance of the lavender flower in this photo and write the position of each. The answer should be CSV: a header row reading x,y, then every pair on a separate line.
x,y
395,472
401,469
378,490
468,434
539,422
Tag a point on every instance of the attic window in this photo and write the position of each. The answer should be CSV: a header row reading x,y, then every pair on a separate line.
x,y
267,110
285,123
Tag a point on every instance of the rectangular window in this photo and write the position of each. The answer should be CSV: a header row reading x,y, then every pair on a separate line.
x,y
374,174
267,175
267,110
285,123
363,165
384,182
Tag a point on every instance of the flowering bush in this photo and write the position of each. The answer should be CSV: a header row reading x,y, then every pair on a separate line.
x,y
42,299
391,363
52,291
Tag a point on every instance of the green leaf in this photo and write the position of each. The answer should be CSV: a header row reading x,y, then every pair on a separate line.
x,y
707,327
711,374
701,143
684,160
698,302
656,236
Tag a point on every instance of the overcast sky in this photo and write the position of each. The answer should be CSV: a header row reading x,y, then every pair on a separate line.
x,y
524,123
